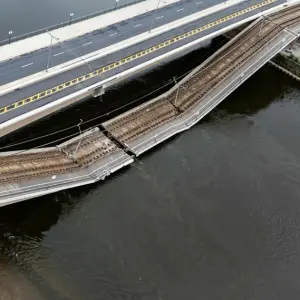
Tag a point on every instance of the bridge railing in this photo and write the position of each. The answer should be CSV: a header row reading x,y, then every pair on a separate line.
x,y
66,23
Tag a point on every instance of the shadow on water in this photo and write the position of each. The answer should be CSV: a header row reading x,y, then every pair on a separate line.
x,y
33,218
271,83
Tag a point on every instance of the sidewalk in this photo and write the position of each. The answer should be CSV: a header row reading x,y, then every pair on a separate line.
x,y
293,49
78,29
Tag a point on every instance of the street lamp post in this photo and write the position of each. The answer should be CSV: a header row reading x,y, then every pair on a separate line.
x,y
49,56
71,17
116,4
154,16
9,36
80,134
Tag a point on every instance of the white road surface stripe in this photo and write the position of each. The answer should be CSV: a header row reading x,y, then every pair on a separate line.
x,y
180,9
199,2
113,34
138,25
27,65
58,53
159,17
86,44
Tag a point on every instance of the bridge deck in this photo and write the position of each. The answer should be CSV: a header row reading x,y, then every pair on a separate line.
x,y
23,60
93,156
83,160
121,64
197,94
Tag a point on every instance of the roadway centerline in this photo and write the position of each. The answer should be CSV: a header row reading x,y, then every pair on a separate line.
x,y
85,77
138,25
27,65
112,34
198,2
180,9
159,17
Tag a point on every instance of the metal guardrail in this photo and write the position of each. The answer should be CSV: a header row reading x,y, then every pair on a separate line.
x,y
66,23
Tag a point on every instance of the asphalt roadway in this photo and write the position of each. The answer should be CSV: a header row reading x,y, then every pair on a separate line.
x,y
119,55
37,61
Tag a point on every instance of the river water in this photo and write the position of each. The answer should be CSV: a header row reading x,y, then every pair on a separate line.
x,y
211,214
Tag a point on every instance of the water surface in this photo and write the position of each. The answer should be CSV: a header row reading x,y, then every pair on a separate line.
x,y
211,214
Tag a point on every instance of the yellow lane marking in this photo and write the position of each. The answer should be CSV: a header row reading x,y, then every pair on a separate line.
x,y
130,58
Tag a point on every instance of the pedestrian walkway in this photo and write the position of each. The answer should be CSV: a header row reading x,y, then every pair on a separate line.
x,y
43,40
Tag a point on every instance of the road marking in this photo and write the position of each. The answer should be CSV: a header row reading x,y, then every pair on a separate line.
x,y
58,53
180,9
128,59
138,25
113,34
27,65
87,44
159,17
199,2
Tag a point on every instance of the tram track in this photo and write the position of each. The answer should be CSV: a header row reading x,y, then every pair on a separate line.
x,y
138,122
70,157
141,120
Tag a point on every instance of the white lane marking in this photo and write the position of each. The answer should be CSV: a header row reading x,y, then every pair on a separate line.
x,y
58,53
113,34
199,2
138,25
27,65
159,17
180,9
86,44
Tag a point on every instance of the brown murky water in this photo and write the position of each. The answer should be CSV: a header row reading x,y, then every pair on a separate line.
x,y
14,285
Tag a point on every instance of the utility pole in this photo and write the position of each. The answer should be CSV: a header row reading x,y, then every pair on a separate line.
x,y
70,50
80,133
154,16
